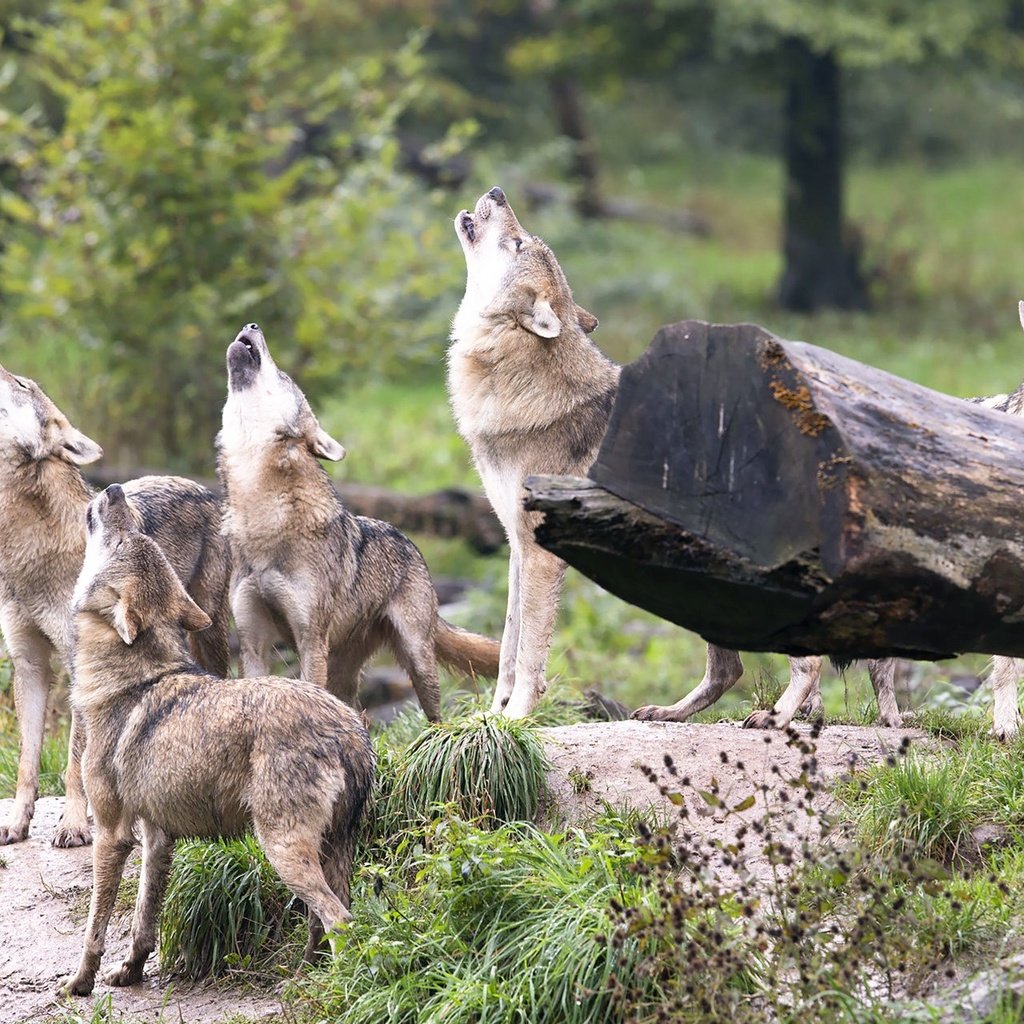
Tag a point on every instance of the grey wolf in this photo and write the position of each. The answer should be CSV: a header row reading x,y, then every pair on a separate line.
x,y
336,586
43,501
179,753
531,394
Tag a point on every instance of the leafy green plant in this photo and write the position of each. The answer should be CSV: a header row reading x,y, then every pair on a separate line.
x,y
225,908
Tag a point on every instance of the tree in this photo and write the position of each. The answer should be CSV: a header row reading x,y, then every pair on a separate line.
x,y
169,205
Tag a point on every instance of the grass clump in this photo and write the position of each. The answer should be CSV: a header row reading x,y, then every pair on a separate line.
x,y
225,908
483,927
52,762
489,768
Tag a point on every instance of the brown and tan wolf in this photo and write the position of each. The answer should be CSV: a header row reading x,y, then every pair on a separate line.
x,y
43,501
335,586
531,395
178,753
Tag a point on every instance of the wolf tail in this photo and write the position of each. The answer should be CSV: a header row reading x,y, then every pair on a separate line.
x,y
465,651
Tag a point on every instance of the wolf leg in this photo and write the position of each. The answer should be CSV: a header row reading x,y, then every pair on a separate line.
x,y
804,676
723,669
540,585
1005,714
510,634
256,629
414,649
157,849
108,856
883,680
73,827
33,675
295,856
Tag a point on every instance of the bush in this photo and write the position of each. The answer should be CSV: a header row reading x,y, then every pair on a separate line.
x,y
203,173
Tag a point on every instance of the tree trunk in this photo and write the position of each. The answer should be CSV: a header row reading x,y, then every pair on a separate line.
x,y
771,495
572,123
821,267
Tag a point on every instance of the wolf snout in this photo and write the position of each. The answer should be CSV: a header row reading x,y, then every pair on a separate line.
x,y
497,195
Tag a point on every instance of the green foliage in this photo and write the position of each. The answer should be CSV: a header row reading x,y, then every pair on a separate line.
x,y
205,173
52,760
482,926
488,767
225,908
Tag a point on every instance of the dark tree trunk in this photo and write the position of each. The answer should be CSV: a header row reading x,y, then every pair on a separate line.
x,y
775,496
572,123
821,267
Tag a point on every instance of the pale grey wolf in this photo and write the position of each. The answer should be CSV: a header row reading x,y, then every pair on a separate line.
x,y
43,501
531,395
178,753
336,586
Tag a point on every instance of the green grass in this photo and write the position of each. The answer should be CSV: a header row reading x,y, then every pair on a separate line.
x,y
225,909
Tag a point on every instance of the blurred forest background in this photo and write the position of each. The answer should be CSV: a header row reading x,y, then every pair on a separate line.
x,y
845,173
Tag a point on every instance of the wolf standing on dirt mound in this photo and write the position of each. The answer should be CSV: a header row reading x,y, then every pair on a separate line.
x,y
531,394
181,754
338,587
43,500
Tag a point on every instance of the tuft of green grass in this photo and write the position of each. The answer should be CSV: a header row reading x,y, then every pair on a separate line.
x,y
225,908
489,767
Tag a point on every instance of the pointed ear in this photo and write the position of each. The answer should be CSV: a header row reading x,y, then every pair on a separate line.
x,y
125,618
323,446
193,618
78,449
541,320
586,320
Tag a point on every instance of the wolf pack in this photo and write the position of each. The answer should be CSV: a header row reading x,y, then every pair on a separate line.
x,y
132,590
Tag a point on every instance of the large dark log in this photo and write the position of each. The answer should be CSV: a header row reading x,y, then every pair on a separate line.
x,y
452,512
775,496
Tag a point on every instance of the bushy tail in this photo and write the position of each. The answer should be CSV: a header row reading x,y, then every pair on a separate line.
x,y
465,651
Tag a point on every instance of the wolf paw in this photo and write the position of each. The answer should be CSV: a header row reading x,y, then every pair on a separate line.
x,y
652,713
1005,734
813,708
66,836
127,974
13,834
761,720
77,985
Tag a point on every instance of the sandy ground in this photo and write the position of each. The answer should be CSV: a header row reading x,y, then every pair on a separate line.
x,y
44,892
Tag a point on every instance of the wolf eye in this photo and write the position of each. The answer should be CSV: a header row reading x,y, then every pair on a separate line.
x,y
21,383
519,243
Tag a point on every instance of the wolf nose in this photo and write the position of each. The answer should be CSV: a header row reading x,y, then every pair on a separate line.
x,y
252,327
497,195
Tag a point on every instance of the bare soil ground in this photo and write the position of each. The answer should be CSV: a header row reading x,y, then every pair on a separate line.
x,y
44,892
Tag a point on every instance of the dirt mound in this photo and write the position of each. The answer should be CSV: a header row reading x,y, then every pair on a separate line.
x,y
44,892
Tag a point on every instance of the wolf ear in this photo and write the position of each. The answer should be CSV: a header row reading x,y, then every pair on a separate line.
x,y
78,449
193,618
323,446
116,608
541,320
126,621
586,320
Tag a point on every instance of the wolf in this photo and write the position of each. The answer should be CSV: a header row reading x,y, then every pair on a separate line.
x,y
531,394
43,501
179,753
336,586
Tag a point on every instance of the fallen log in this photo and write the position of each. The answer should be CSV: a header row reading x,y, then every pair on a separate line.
x,y
452,512
772,495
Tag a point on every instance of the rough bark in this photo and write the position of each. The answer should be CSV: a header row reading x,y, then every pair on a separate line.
x,y
572,123
820,266
772,495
